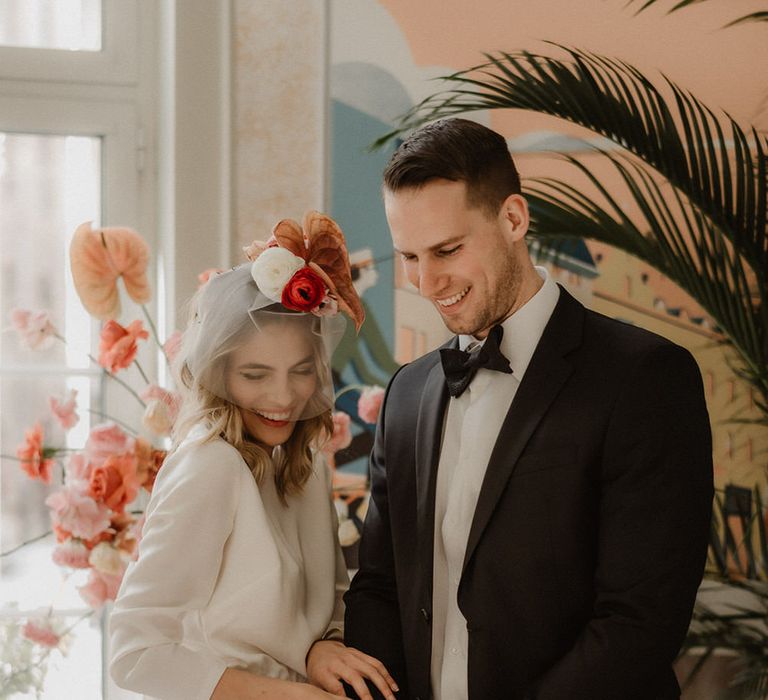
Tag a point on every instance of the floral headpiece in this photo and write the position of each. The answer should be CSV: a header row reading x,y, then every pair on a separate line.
x,y
306,268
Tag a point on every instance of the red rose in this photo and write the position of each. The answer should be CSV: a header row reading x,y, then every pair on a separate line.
x,y
304,291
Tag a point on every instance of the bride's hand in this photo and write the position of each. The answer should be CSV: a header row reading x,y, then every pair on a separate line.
x,y
237,684
330,662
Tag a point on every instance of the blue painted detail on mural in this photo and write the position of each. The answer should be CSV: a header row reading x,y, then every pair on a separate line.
x,y
357,206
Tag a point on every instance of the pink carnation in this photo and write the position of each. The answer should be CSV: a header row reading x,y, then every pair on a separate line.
x,y
72,554
369,404
173,345
342,435
41,633
34,456
99,588
64,411
78,468
106,439
118,345
78,513
34,328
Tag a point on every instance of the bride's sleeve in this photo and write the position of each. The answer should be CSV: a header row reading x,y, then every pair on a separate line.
x,y
189,518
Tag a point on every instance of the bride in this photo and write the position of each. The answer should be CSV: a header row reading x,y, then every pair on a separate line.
x,y
237,589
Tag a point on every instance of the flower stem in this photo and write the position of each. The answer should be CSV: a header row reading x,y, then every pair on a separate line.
x,y
126,386
123,425
25,543
141,371
156,337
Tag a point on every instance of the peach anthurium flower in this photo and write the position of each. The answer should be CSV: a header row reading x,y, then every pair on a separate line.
x,y
34,457
118,344
98,257
64,410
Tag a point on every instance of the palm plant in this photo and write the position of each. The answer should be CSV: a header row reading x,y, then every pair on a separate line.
x,y
696,179
735,617
761,16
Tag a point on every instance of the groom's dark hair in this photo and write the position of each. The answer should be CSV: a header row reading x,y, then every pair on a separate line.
x,y
458,150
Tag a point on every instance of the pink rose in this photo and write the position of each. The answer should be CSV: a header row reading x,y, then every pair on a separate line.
x,y
255,249
173,345
72,554
369,403
40,632
34,456
115,483
34,328
77,513
342,436
78,468
118,344
64,411
99,588
104,440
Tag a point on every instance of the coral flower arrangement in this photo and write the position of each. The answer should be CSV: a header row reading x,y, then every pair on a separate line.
x,y
95,526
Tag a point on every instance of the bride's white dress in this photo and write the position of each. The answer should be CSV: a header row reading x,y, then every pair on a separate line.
x,y
226,576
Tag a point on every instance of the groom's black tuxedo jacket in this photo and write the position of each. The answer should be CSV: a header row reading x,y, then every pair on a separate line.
x,y
590,534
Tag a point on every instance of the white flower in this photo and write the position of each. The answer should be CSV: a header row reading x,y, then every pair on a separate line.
x,y
105,558
273,269
348,533
157,417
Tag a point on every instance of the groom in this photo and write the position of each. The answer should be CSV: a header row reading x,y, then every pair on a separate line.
x,y
540,505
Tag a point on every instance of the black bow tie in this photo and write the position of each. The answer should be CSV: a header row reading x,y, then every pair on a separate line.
x,y
460,366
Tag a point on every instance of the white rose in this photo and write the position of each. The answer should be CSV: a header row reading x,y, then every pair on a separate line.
x,y
105,558
273,269
348,533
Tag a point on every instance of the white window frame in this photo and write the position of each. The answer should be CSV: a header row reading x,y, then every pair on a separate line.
x,y
116,64
109,94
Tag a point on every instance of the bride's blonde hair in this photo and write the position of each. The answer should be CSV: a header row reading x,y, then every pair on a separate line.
x,y
292,462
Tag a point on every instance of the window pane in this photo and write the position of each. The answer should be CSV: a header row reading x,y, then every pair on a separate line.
x,y
48,186
51,24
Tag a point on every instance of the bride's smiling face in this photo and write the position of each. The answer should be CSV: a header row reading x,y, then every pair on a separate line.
x,y
270,377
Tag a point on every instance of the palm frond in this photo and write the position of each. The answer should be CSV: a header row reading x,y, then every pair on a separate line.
x,y
761,16
688,146
670,235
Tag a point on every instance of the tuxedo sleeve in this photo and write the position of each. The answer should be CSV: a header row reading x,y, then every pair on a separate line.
x,y
372,619
655,507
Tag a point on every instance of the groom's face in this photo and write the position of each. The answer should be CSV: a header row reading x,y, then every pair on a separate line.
x,y
465,261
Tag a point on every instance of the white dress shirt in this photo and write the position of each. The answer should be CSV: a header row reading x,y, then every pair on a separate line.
x,y
226,576
471,426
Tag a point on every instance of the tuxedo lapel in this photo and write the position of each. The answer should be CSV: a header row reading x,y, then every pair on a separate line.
x,y
546,374
429,428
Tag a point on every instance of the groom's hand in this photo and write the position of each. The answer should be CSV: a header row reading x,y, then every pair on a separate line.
x,y
330,662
